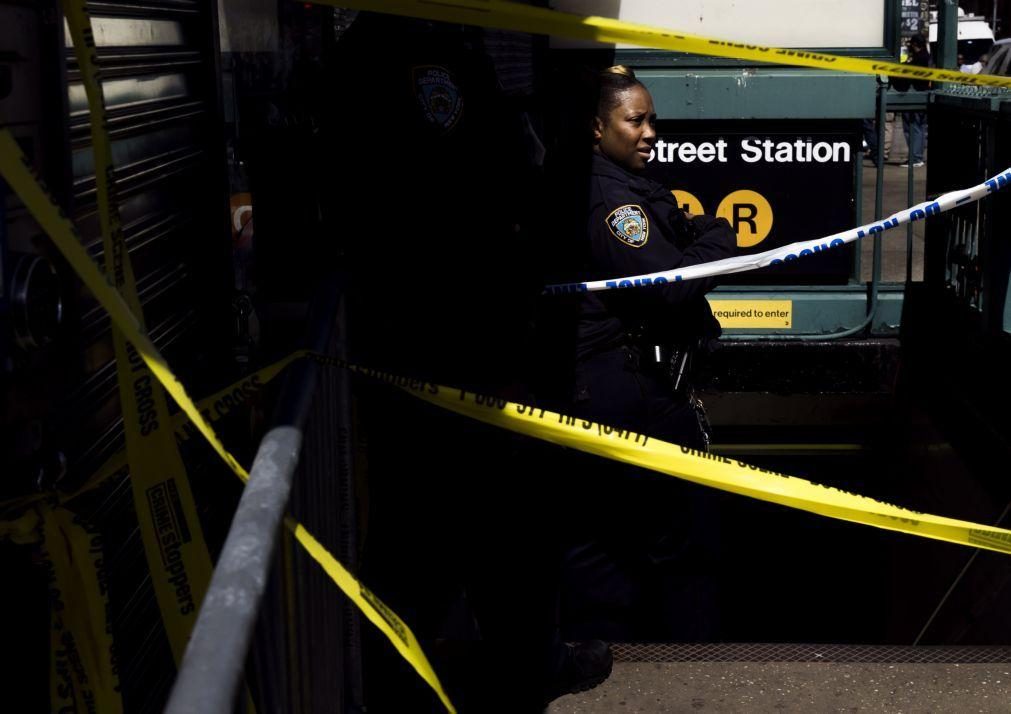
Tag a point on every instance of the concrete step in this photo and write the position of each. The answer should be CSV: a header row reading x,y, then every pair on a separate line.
x,y
799,678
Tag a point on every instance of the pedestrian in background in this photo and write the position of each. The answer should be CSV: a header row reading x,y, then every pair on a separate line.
x,y
914,124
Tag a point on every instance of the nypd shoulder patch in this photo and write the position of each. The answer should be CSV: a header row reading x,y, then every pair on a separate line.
x,y
629,224
438,95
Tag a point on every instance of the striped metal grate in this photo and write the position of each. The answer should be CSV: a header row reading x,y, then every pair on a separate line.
x,y
786,652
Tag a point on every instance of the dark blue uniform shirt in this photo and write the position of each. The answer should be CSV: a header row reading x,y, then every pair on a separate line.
x,y
635,227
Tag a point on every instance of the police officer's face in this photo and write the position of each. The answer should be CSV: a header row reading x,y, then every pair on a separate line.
x,y
627,134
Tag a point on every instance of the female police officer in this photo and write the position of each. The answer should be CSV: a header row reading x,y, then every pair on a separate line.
x,y
635,574
636,227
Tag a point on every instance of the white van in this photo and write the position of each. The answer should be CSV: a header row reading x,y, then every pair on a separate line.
x,y
975,36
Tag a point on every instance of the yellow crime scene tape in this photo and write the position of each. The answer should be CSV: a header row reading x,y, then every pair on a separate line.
x,y
503,15
703,468
173,539
85,675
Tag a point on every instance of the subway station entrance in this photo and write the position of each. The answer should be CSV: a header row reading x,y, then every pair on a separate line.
x,y
284,418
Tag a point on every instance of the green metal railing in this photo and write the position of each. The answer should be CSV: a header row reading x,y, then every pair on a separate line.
x,y
968,256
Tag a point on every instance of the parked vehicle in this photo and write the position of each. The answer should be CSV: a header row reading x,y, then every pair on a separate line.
x,y
1000,54
975,36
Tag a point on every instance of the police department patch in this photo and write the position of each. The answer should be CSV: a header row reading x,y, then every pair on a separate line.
x,y
439,97
629,225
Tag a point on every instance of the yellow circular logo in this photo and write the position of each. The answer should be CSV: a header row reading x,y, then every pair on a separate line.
x,y
688,202
749,214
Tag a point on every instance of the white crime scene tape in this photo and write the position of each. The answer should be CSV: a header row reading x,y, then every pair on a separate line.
x,y
794,251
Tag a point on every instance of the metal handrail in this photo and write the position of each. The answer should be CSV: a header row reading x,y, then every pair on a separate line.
x,y
214,660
